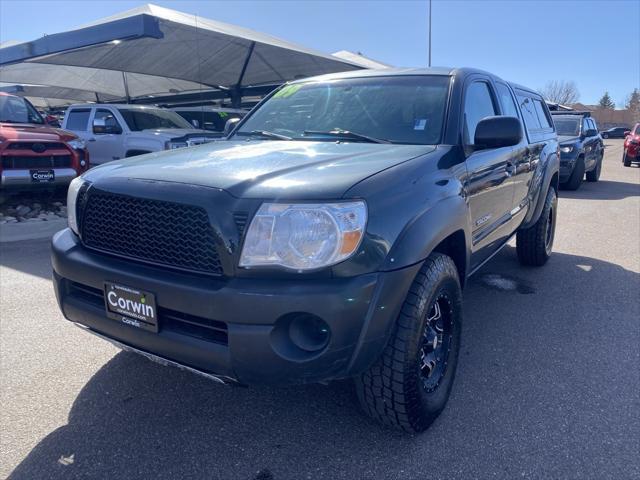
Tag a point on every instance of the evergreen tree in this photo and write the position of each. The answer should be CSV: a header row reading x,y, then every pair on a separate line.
x,y
606,102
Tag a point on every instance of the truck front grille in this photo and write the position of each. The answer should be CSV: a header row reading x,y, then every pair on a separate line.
x,y
24,162
153,231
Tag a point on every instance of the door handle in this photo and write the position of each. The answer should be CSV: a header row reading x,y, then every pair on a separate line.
x,y
91,140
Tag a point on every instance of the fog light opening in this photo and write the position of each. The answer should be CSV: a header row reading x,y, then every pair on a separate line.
x,y
309,333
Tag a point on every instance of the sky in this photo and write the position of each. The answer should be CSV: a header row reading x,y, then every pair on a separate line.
x,y
595,43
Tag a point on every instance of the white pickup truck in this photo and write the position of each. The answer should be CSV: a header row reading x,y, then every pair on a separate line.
x,y
115,131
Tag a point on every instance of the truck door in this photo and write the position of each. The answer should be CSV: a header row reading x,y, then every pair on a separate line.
x,y
106,142
489,184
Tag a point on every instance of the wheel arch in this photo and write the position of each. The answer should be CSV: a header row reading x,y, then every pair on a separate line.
x,y
442,228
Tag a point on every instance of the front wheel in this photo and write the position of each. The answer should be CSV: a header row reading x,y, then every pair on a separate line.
x,y
626,161
408,386
534,244
594,175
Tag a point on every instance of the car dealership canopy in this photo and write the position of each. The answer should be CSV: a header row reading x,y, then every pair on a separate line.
x,y
152,50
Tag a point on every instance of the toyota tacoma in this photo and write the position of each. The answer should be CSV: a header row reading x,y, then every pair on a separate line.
x,y
329,237
581,148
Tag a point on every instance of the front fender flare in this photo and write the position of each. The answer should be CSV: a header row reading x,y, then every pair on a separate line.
x,y
428,229
540,187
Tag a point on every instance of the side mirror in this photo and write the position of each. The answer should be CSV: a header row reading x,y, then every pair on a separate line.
x,y
627,133
52,121
496,132
229,126
100,127
591,133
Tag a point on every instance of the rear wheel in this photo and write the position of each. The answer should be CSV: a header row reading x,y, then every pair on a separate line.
x,y
534,244
605,135
594,175
575,180
408,386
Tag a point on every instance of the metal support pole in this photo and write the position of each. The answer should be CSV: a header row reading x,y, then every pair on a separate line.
x,y
430,32
126,86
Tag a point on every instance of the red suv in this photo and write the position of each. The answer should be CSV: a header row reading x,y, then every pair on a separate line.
x,y
34,154
631,152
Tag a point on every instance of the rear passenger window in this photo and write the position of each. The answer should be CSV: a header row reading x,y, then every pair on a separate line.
x,y
506,100
78,120
542,114
529,114
478,104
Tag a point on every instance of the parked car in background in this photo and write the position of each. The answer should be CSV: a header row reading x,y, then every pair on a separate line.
x,y
330,236
34,154
615,132
115,131
631,152
581,148
212,119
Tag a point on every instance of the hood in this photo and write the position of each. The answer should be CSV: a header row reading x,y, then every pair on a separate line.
x,y
170,133
33,132
567,139
267,168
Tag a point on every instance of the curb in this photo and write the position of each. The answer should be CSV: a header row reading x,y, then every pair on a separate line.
x,y
15,232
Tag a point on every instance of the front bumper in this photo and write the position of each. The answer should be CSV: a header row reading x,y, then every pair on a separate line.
x,y
22,178
359,311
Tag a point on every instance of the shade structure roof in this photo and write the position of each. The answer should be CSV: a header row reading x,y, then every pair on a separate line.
x,y
360,59
153,50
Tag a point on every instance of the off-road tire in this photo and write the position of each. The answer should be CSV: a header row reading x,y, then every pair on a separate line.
x,y
393,391
594,175
575,180
626,161
534,244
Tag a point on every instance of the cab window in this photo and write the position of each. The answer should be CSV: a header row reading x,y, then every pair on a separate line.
x,y
478,104
543,117
529,114
509,108
111,125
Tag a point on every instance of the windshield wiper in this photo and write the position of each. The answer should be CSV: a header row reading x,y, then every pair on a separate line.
x,y
338,132
268,134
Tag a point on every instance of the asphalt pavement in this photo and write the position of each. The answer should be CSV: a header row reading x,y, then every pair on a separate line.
x,y
548,383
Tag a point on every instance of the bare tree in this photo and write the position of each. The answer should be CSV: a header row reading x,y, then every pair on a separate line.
x,y
561,91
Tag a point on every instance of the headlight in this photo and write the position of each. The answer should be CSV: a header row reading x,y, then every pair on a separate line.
x,y
304,236
72,196
77,144
174,145
567,149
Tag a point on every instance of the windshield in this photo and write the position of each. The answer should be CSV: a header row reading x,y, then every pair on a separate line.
x,y
402,109
152,118
567,126
18,110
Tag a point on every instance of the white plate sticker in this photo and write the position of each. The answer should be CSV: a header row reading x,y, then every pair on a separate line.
x,y
420,124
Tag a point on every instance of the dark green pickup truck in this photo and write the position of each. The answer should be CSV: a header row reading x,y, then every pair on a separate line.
x,y
329,237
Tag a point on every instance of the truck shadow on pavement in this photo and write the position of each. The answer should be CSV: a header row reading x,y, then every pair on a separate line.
x,y
603,190
136,419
